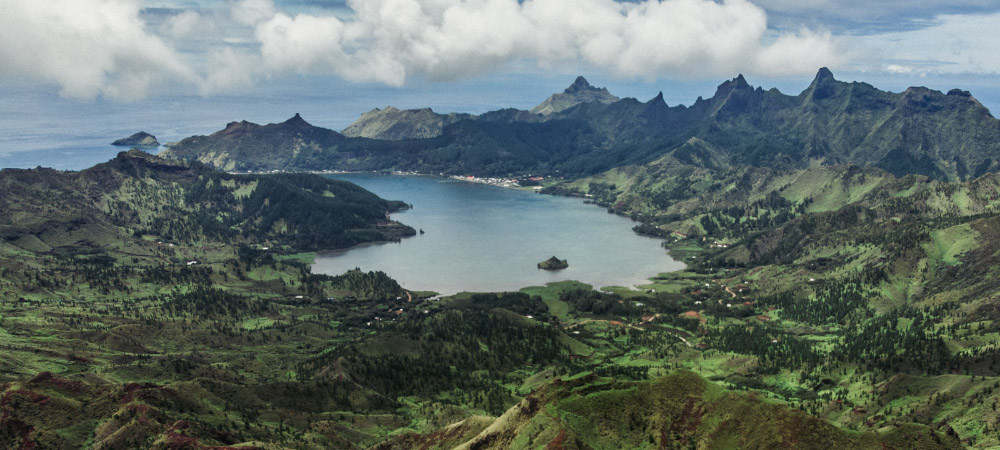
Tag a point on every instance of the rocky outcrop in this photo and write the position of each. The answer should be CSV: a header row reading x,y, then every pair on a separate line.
x,y
553,263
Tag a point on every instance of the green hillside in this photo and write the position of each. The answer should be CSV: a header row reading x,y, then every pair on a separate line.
x,y
842,251
680,410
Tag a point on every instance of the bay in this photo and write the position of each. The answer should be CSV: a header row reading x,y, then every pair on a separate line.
x,y
482,238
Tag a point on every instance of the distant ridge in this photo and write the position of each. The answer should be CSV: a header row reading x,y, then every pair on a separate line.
x,y
395,124
248,146
585,130
579,92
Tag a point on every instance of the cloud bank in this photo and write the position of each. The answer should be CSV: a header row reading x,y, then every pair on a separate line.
x,y
120,49
389,41
88,48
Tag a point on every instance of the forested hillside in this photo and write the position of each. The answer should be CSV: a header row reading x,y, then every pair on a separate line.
x,y
841,248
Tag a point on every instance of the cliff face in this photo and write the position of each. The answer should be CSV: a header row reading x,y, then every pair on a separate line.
x,y
397,124
579,92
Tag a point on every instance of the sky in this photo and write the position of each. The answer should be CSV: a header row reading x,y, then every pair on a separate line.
x,y
474,55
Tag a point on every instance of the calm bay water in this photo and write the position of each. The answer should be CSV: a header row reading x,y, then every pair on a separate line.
x,y
483,238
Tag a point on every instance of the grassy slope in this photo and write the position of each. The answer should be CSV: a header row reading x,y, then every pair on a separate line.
x,y
935,242
678,410
290,359
98,321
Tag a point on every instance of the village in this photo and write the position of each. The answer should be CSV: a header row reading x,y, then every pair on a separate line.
x,y
528,181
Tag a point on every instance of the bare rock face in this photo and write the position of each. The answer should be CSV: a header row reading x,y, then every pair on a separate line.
x,y
579,92
398,124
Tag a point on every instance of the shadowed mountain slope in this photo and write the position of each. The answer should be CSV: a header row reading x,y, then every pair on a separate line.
x,y
586,131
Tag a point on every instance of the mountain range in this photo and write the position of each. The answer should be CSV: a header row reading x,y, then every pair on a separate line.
x,y
585,130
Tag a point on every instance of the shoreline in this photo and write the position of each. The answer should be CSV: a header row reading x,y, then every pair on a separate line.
x,y
636,283
507,183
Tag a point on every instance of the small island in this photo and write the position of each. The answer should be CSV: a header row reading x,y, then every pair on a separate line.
x,y
140,139
553,263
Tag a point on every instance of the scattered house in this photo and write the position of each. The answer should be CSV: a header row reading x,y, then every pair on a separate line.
x,y
680,234
648,318
812,280
576,332
529,317
265,248
763,318
747,303
698,302
299,297
729,305
692,315
426,311
191,263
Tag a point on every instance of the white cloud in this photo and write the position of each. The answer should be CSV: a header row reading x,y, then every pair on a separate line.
x,y
88,48
389,41
184,25
951,44
103,48
252,12
797,54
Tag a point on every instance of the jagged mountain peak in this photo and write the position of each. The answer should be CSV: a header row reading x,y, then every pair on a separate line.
x,y
578,85
833,122
823,75
824,85
738,83
296,120
577,93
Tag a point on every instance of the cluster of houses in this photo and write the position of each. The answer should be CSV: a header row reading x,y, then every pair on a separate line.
x,y
498,181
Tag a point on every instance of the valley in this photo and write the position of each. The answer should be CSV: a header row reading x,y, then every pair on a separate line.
x,y
839,289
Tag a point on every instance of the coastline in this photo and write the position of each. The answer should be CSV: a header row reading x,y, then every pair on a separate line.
x,y
507,183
